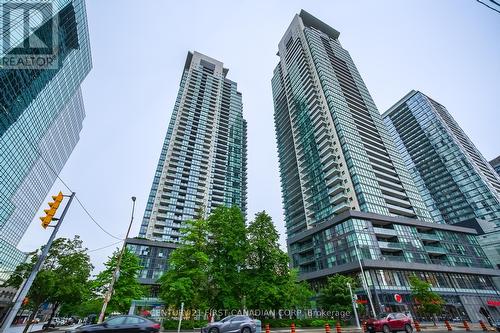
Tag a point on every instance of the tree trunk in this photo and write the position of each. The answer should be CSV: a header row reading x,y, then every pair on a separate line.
x,y
30,319
54,309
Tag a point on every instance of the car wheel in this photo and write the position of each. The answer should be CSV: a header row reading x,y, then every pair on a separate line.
x,y
386,329
408,328
246,330
213,330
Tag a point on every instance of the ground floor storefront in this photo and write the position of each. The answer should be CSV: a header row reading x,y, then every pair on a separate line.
x,y
471,297
456,308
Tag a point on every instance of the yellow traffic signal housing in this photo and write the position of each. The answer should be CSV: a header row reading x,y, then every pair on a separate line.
x,y
46,221
49,213
58,198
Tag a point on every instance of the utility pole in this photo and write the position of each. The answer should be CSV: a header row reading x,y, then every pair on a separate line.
x,y
27,285
116,273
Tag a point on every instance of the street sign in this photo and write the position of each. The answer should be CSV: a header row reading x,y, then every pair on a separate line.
x,y
398,298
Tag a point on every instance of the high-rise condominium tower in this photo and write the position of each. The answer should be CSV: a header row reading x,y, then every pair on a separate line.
x,y
347,193
41,112
203,161
457,182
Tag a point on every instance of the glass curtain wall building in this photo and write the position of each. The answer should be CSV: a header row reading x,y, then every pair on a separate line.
x,y
153,257
456,181
203,160
202,164
41,114
345,187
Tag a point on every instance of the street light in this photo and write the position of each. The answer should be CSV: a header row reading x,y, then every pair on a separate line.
x,y
116,272
363,277
354,305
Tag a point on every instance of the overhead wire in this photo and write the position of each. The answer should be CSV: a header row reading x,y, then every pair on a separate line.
x,y
62,181
104,247
485,4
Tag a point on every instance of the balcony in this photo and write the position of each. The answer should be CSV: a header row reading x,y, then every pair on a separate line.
x,y
428,237
435,249
384,232
336,189
390,246
306,260
341,197
341,207
304,248
393,258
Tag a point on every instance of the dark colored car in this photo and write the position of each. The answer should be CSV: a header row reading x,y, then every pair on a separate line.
x,y
389,322
46,325
231,324
496,324
122,324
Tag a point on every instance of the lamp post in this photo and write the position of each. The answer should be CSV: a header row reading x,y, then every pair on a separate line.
x,y
116,273
363,278
354,305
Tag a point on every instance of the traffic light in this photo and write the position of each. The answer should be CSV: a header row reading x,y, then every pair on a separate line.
x,y
49,213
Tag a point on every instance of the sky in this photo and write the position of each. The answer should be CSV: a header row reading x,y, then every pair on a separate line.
x,y
447,49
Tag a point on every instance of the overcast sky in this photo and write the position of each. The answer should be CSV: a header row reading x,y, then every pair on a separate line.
x,y
448,49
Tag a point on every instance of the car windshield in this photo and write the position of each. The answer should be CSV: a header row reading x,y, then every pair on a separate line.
x,y
382,315
227,318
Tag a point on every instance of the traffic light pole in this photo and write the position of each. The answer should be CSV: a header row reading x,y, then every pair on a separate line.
x,y
27,285
116,272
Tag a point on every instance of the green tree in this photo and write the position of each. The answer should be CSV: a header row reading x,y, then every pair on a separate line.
x,y
428,302
335,295
187,277
126,287
270,284
63,277
222,264
295,293
92,305
226,250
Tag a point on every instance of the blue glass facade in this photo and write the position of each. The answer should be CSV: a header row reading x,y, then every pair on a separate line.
x,y
347,192
335,152
457,183
41,114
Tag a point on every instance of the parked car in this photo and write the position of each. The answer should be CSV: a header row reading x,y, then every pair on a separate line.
x,y
496,324
126,323
46,325
389,322
232,324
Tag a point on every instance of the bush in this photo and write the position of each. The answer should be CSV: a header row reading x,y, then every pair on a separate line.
x,y
273,323
186,324
282,323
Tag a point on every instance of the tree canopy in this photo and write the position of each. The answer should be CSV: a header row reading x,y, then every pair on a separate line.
x,y
335,296
126,287
428,302
63,278
224,264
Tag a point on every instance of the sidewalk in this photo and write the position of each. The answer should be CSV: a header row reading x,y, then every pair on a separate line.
x,y
426,327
